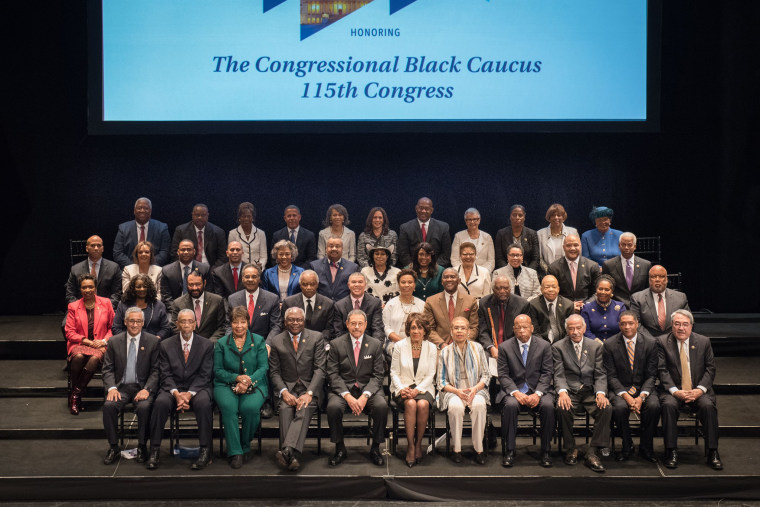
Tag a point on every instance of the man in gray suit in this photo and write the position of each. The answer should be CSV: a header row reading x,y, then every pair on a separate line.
x,y
654,306
627,270
130,374
209,309
107,274
359,299
318,309
427,230
581,381
297,369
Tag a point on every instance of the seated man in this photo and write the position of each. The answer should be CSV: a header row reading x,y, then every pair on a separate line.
x,y
107,274
210,312
187,368
525,374
356,369
463,378
304,239
496,315
630,359
654,306
318,309
575,274
441,309
333,270
174,275
263,307
130,374
359,299
523,279
581,382
209,241
142,228
297,367
227,279
685,361
550,310
629,271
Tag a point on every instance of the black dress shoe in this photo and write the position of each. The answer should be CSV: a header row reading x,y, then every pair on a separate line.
x,y
456,457
111,455
338,458
266,410
594,463
294,464
509,459
142,453
283,457
236,461
375,456
647,455
571,457
480,458
625,454
671,458
204,459
546,460
153,461
492,438
713,459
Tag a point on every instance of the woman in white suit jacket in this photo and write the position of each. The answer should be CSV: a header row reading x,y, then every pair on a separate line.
x,y
143,256
413,382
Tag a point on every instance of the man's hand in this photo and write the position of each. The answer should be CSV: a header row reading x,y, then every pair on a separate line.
x,y
303,401
113,395
601,401
521,398
693,395
636,405
142,394
289,398
578,305
681,395
532,401
353,404
494,352
182,405
564,402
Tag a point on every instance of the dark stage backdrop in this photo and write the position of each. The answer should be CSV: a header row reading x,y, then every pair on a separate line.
x,y
695,183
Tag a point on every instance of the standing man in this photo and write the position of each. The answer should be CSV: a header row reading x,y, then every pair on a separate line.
x,y
424,229
227,279
107,274
174,275
143,228
441,309
628,271
496,315
550,310
304,239
575,274
655,305
210,312
208,239
333,270
358,299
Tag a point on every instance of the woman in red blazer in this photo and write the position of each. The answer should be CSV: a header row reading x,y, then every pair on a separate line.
x,y
88,328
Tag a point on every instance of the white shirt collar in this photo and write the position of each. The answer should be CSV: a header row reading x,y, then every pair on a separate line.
x,y
189,342
631,340
201,299
313,300
427,224
354,340
255,295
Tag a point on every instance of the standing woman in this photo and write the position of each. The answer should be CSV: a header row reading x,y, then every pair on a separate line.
x,y
481,239
428,271
88,328
413,382
377,232
381,274
550,238
253,239
143,257
282,279
335,227
143,294
601,243
240,384
474,279
517,233
398,309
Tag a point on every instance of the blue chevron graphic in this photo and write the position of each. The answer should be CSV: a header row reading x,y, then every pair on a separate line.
x,y
271,4
397,5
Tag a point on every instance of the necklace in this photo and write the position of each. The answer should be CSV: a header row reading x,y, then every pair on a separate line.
x,y
406,307
416,347
283,271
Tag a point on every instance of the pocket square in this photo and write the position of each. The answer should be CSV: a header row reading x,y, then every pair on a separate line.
x,y
263,313
368,356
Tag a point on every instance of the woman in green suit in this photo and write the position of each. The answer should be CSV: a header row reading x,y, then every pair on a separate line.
x,y
240,384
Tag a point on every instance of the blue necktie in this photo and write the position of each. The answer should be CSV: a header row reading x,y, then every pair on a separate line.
x,y
524,389
184,280
130,377
293,236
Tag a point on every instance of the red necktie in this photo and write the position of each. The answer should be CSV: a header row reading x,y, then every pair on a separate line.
x,y
661,312
199,253
235,276
142,233
424,233
502,317
356,352
451,308
197,313
251,307
186,348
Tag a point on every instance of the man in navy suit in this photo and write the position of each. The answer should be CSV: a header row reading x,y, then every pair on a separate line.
x,y
333,270
303,238
424,228
209,241
174,275
143,228
359,299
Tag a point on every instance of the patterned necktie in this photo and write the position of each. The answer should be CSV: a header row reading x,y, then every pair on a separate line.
x,y
251,307
553,327
184,279
130,377
524,388
451,308
186,349
574,273
198,313
333,270
356,352
629,273
94,270
631,353
424,233
661,312
142,233
295,342
357,305
235,276
578,351
309,311
685,371
199,253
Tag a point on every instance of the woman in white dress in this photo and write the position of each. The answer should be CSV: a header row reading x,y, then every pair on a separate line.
x,y
482,240
253,239
398,309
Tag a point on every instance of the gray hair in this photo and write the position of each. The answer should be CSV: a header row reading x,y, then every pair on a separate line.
x,y
134,309
150,204
355,274
575,316
471,211
684,313
500,277
309,272
254,265
627,235
183,312
294,309
450,269
284,243
356,312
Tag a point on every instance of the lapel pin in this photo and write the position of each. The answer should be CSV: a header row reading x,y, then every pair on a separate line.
x,y
319,308
366,344
617,307
142,348
693,347
593,309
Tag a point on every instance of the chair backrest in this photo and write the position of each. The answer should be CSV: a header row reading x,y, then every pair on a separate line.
x,y
675,281
649,248
77,250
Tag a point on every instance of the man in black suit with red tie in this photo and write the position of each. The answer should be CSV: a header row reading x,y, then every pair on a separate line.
x,y
227,279
209,240
304,239
424,229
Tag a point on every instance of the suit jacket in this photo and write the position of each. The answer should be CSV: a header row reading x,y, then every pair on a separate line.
x,y
213,315
437,234
487,334
529,242
344,373
402,367
530,287
614,268
228,361
146,367
108,281
306,242
701,362
620,376
266,319
570,374
126,241
539,314
588,272
195,375
371,305
322,314
214,242
436,313
171,280
537,372
223,282
339,288
132,270
76,322
271,282
645,308
288,368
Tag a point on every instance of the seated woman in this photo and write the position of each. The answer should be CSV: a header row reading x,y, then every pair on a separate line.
x,y
381,275
335,226
399,308
602,243
377,232
252,238
143,257
88,328
240,384
481,239
602,313
412,382
463,378
474,279
143,294
428,271
550,238
283,278
517,233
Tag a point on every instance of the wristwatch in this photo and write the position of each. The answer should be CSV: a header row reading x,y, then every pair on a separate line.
x,y
366,395
310,393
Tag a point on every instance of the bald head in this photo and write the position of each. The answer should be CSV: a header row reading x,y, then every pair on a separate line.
x,y
94,248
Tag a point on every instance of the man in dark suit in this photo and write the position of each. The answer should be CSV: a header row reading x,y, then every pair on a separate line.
x,y
303,238
550,310
174,275
687,370
142,228
627,270
655,305
130,374
107,274
228,278
630,359
209,241
525,375
297,368
263,307
209,309
581,381
424,229
496,315
355,367
317,308
333,270
186,365
359,299
575,274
